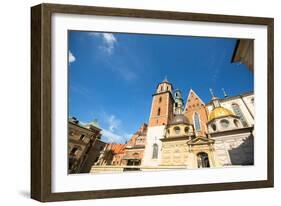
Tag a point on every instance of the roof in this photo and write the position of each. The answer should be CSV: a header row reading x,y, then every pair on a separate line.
x,y
179,119
188,97
142,132
77,124
219,112
116,148
90,126
165,81
94,123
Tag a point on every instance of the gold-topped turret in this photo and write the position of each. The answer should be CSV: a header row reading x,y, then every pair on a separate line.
x,y
219,112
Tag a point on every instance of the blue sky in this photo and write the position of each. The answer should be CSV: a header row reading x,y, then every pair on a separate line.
x,y
112,76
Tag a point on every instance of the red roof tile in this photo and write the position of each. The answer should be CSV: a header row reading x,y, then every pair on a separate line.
x,y
117,148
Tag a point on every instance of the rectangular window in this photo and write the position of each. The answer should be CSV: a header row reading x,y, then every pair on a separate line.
x,y
197,122
82,137
73,151
155,151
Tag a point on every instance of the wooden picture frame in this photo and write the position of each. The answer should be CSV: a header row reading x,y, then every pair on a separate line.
x,y
41,98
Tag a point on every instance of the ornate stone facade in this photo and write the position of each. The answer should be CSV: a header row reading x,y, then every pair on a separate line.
x,y
81,143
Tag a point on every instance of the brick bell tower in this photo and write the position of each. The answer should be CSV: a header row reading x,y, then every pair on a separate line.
x,y
162,104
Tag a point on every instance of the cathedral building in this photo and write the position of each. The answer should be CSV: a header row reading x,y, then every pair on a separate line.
x,y
188,135
195,134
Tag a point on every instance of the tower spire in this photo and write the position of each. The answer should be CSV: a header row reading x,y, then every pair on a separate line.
x,y
212,93
215,100
165,79
224,93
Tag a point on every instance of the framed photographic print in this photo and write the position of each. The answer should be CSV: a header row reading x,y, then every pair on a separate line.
x,y
130,102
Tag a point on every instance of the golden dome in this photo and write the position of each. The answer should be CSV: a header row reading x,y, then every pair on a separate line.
x,y
219,112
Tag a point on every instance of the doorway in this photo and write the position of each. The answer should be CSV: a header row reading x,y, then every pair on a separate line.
x,y
203,160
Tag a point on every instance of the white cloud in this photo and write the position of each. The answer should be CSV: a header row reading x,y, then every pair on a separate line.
x,y
109,41
113,123
71,57
108,135
125,68
111,137
109,38
113,131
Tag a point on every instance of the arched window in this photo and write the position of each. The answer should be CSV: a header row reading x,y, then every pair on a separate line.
x,y
168,131
155,151
186,129
239,113
214,127
73,151
236,123
82,137
224,123
160,99
177,130
158,112
139,140
196,120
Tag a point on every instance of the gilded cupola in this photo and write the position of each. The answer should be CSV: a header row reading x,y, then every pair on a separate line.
x,y
221,119
219,112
